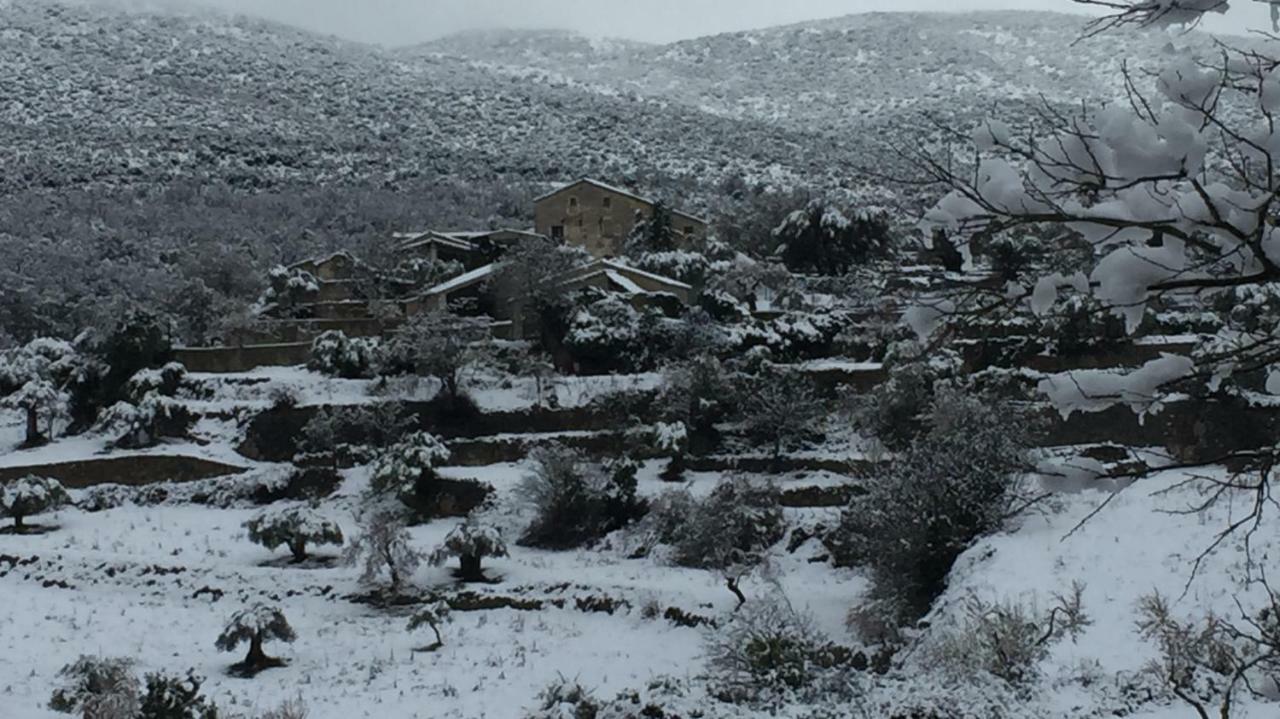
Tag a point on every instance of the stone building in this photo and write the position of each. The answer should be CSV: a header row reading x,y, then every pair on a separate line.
x,y
599,217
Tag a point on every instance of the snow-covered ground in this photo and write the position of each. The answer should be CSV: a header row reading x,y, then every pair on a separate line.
x,y
129,582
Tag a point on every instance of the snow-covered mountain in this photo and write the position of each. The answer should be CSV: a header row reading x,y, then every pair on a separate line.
x,y
93,95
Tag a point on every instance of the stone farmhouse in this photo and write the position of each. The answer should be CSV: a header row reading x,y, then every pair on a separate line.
x,y
355,299
598,217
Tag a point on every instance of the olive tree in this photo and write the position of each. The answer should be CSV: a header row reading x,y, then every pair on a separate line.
x,y
29,495
383,543
295,528
470,542
432,616
254,626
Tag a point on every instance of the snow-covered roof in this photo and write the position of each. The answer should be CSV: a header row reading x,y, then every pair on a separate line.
x,y
465,279
624,282
616,190
614,264
322,260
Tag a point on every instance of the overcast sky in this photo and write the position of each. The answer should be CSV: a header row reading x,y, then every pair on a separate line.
x,y
398,22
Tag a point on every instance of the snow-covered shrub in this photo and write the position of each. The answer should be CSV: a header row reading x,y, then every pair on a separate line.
x,y
335,354
353,430
441,345
432,616
144,423
728,531
30,495
565,699
699,394
1007,640
470,542
383,543
690,268
770,653
575,502
402,469
781,411
165,381
821,239
1208,662
957,482
606,335
174,697
254,626
1080,325
288,288
426,273
895,411
295,528
98,688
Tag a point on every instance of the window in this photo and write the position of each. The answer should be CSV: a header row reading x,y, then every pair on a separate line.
x,y
688,229
573,204
607,202
557,232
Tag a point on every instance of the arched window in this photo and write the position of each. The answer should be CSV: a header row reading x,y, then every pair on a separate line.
x,y
573,204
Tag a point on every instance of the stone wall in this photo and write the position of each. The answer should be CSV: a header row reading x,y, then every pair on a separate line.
x,y
133,470
597,219
242,359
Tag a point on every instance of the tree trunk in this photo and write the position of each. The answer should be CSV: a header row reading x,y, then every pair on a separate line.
x,y
18,526
256,658
299,549
33,426
471,568
733,587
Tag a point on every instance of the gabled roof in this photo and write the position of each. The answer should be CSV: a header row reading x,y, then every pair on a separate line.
x,y
614,264
462,281
464,241
317,261
617,191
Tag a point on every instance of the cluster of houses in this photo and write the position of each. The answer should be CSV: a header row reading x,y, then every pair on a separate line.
x,y
587,213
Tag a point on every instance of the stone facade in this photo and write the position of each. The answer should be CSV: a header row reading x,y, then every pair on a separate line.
x,y
598,217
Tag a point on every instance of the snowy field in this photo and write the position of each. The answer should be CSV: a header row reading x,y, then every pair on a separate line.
x,y
157,583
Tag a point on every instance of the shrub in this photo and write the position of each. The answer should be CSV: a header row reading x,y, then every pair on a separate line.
x,y
98,687
576,503
822,240
146,422
470,542
956,483
288,709
781,411
770,651
408,467
334,354
564,698
354,429
295,528
895,411
384,543
170,697
700,394
442,345
1008,639
26,496
254,626
729,531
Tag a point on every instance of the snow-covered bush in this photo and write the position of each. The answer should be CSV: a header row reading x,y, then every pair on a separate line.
x,y
699,394
470,542
606,334
175,697
781,411
895,411
30,495
98,688
288,288
690,268
425,273
1208,662
166,381
402,469
383,543
959,481
1007,640
254,626
354,430
821,239
432,616
335,354
146,422
768,653
295,528
728,531
288,709
575,502
441,345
